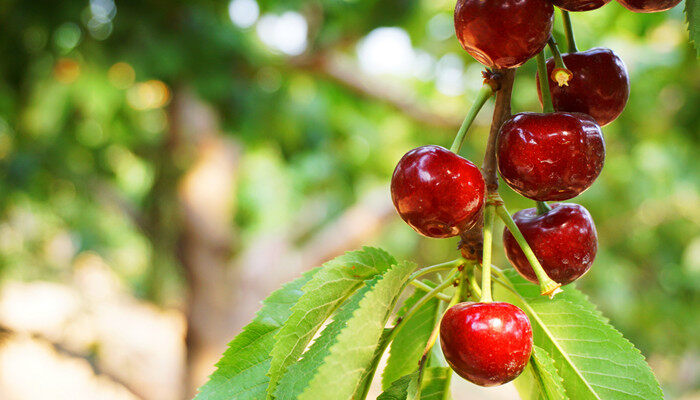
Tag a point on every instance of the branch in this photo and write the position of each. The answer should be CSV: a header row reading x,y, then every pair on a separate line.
x,y
60,349
501,113
342,74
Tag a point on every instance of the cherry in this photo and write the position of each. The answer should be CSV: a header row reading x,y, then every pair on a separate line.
x,y
563,239
599,87
580,5
553,156
648,6
487,344
437,192
504,33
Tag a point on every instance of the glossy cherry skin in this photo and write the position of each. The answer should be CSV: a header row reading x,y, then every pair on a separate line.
x,y
580,5
564,240
600,85
437,192
549,157
503,33
648,6
488,344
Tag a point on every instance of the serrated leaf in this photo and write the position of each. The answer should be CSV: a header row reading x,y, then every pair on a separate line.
x,y
241,373
404,388
692,14
540,380
434,386
322,295
353,352
299,374
594,360
408,345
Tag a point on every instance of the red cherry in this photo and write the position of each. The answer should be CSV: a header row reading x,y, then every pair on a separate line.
x,y
580,5
599,87
503,33
548,157
437,192
564,240
487,344
648,6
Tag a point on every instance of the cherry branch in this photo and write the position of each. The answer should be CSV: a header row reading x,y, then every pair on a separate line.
x,y
501,113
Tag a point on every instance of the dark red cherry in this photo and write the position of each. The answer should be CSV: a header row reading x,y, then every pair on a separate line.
x,y
599,87
437,192
548,157
648,6
503,33
487,344
580,5
564,240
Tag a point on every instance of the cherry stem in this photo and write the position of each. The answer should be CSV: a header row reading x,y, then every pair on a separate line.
x,y
427,288
489,216
554,48
547,286
543,208
484,94
569,30
473,285
421,302
547,106
438,267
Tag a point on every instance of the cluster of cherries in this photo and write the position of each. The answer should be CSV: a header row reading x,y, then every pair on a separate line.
x,y
542,156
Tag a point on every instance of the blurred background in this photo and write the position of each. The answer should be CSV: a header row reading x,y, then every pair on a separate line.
x,y
164,165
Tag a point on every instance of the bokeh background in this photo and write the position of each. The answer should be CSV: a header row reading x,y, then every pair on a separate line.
x,y
164,165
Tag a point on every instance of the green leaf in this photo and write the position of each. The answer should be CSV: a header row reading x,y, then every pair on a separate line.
x,y
435,385
594,360
322,295
404,388
354,350
407,348
692,13
540,380
241,372
299,374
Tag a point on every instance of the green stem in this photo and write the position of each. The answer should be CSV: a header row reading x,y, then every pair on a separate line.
x,y
485,92
426,288
547,106
489,216
437,289
547,286
543,207
473,285
558,61
569,30
437,267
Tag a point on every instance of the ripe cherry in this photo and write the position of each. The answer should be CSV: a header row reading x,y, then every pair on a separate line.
x,y
553,156
504,33
648,6
437,192
487,344
580,5
564,240
599,87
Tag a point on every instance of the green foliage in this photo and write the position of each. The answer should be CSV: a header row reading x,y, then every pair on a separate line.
x,y
322,295
692,13
434,386
404,388
408,345
540,380
354,350
592,358
298,375
242,371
